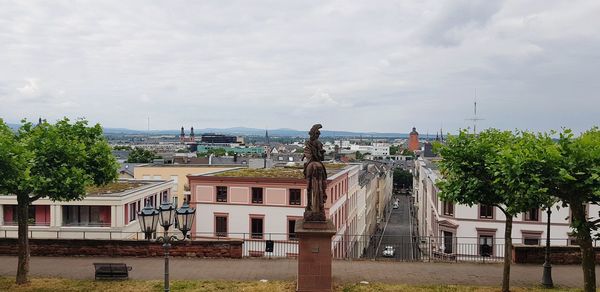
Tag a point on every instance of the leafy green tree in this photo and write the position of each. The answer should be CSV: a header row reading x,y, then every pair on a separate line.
x,y
402,178
500,169
216,152
139,155
407,152
578,184
359,156
50,161
394,149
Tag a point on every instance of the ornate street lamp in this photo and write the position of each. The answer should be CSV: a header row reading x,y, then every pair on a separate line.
x,y
149,217
547,274
185,218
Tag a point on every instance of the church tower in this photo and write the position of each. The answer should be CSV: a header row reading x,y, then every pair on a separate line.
x,y
413,140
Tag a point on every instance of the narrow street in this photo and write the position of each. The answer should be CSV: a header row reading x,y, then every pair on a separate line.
x,y
397,232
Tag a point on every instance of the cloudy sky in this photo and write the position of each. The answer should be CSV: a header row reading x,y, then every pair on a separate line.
x,y
351,65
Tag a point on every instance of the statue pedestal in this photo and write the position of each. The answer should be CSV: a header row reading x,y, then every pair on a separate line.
x,y
314,255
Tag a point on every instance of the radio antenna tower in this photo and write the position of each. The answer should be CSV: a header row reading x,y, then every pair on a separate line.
x,y
475,119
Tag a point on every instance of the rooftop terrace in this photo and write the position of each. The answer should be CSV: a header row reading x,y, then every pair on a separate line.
x,y
114,187
278,172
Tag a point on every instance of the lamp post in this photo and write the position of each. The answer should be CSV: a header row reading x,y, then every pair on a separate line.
x,y
547,275
166,215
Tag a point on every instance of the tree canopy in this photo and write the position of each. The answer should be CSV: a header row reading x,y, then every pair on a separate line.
x,y
55,161
510,171
139,155
577,183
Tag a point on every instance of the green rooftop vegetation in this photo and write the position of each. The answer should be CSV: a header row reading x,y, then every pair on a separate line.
x,y
293,172
114,187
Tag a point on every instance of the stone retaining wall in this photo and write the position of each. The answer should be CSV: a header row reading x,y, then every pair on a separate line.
x,y
565,255
135,248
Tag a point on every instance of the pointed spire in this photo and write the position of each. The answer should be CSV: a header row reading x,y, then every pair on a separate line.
x,y
267,137
192,132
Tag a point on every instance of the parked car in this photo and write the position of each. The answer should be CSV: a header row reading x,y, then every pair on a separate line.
x,y
389,251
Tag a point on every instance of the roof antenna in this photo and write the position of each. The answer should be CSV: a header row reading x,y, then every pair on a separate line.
x,y
475,119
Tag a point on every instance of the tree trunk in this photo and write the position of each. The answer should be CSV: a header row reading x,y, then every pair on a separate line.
x,y
23,239
588,257
507,253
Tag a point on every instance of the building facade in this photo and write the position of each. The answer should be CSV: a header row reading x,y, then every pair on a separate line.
x,y
108,212
175,172
263,204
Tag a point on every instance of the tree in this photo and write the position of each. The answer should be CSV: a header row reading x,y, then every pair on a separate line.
x,y
50,161
359,156
394,149
578,184
139,155
496,168
402,178
407,152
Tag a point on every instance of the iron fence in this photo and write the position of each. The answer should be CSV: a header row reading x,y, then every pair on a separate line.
x,y
344,246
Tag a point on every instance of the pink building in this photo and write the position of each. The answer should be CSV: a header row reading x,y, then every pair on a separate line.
x,y
106,212
264,204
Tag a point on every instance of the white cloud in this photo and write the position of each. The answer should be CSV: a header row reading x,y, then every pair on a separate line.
x,y
30,89
381,66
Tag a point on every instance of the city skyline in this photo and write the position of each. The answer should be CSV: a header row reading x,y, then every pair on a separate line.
x,y
352,67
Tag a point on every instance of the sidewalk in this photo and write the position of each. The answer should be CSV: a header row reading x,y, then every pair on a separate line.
x,y
285,269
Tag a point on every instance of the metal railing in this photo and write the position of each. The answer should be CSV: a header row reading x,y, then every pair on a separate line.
x,y
283,245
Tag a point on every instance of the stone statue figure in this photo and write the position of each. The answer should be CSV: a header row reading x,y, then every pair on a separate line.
x,y
316,176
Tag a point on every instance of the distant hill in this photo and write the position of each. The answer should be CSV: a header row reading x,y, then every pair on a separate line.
x,y
244,131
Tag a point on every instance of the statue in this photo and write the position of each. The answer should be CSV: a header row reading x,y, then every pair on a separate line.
x,y
316,177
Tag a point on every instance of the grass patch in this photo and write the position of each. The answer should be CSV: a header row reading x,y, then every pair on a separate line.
x,y
439,288
114,187
59,284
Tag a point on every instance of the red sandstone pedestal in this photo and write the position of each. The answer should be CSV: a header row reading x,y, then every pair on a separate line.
x,y
314,255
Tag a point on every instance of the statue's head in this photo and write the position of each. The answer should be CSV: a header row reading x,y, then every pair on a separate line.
x,y
314,131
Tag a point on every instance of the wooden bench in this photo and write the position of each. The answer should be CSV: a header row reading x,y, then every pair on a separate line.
x,y
110,271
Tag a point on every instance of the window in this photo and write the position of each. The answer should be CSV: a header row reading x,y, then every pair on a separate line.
x,y
257,195
486,211
256,225
486,245
132,212
292,229
572,239
448,238
531,241
221,225
221,194
295,198
94,216
164,197
448,208
532,215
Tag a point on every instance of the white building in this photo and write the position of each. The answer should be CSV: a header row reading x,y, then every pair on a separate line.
x,y
453,226
108,212
263,204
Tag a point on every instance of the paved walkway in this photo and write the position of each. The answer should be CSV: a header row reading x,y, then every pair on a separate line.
x,y
285,269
